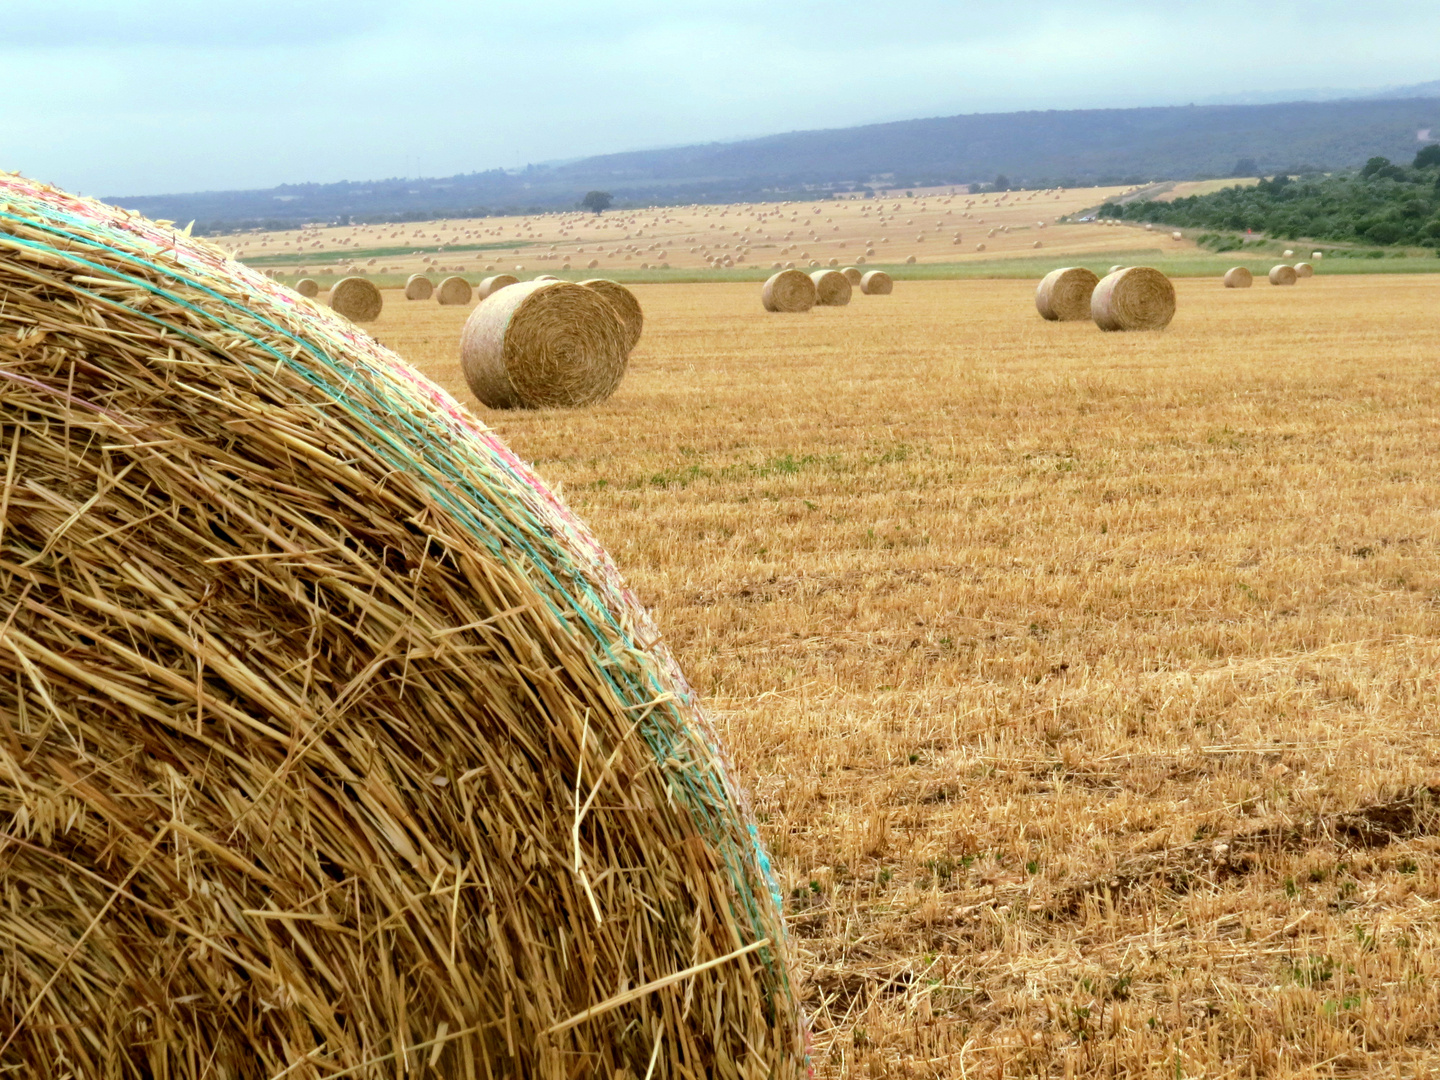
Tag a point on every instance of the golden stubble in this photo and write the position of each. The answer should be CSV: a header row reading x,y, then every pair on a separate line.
x,y
1084,682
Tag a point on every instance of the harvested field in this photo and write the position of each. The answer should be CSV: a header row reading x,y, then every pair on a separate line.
x,y
1085,683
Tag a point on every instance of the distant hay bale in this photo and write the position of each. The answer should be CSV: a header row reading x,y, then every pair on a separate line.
x,y
1037,244
543,344
788,291
627,308
1177,235
1289,252
1304,270
910,261
592,264
357,299
491,285
832,288
418,287
308,287
1136,298
980,247
1238,277
303,679
1317,255
852,275
453,290
877,283
1284,274
1064,295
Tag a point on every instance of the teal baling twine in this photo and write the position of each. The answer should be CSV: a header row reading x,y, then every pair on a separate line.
x,y
705,794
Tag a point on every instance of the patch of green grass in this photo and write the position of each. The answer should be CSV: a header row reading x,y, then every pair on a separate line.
x,y
347,255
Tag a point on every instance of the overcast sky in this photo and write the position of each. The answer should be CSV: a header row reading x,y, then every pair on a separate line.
x,y
138,97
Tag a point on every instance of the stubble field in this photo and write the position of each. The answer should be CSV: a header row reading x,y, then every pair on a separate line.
x,y
1086,685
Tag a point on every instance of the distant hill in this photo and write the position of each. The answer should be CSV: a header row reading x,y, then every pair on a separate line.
x,y
1072,148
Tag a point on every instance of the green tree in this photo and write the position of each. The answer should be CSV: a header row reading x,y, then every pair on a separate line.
x,y
597,201
1428,156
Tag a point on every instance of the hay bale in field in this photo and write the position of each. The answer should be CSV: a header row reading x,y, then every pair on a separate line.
x,y
626,306
357,299
453,290
832,288
1116,268
877,283
788,291
543,344
1136,298
1238,277
1177,235
489,286
419,287
308,288
852,275
552,277
1289,253
1037,244
910,261
306,686
1064,295
980,247
1304,270
1283,274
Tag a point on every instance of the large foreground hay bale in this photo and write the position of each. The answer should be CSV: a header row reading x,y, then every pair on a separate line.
x,y
543,344
357,299
453,290
1064,295
832,288
1304,270
1238,277
1136,298
877,283
489,286
1283,274
418,287
788,291
308,288
627,308
332,740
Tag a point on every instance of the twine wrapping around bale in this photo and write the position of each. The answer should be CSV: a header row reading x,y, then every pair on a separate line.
x,y
418,287
832,288
489,286
453,290
853,275
1304,270
788,291
333,743
308,288
543,344
1136,298
1284,274
357,299
1238,277
877,283
627,308
1064,295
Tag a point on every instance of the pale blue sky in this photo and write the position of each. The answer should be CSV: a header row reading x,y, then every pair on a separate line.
x,y
133,97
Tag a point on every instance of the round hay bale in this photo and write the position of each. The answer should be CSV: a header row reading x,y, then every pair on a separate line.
x,y
1064,295
852,275
1037,244
552,277
418,287
1304,270
491,285
790,290
1289,252
832,288
1177,235
1238,277
306,689
627,308
1116,269
357,299
877,283
1136,298
1284,274
543,344
910,261
453,290
308,287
